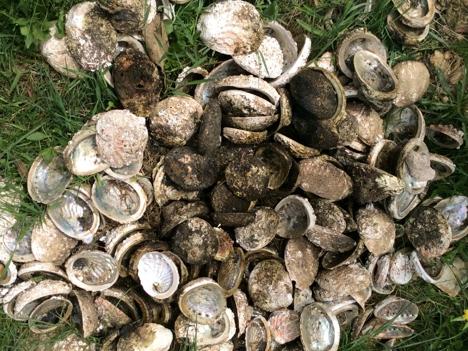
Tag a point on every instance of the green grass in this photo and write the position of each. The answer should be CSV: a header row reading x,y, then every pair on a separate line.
x,y
39,109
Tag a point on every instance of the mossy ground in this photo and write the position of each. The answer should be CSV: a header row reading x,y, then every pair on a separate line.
x,y
39,109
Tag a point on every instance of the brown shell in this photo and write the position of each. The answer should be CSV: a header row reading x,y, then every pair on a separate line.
x,y
110,316
296,149
445,135
236,102
370,126
223,200
244,311
329,240
270,287
233,219
429,232
258,335
260,232
329,215
302,298
345,279
136,81
179,211
244,137
376,229
209,132
413,81
319,176
88,314
284,326
301,259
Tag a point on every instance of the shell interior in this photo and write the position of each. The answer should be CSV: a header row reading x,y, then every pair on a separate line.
x,y
296,216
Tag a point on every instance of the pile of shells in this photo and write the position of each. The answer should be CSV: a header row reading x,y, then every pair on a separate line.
x,y
280,204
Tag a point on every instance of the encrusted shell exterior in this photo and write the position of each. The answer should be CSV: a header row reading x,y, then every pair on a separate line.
x,y
231,27
56,53
345,279
295,148
121,137
49,244
260,232
376,229
92,270
429,232
88,313
370,126
301,259
413,81
324,179
147,337
270,287
244,137
284,326
236,102
244,311
401,268
249,82
90,38
158,275
174,120
73,343
47,179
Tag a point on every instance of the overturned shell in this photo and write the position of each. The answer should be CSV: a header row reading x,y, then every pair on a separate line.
x,y
376,229
147,337
174,120
416,14
74,215
8,273
90,38
379,268
319,92
402,124
320,176
56,53
260,232
284,326
445,135
455,209
270,287
429,232
296,216
320,330
301,259
202,300
45,269
381,331
413,81
9,299
81,154
92,270
244,311
376,81
258,335
50,314
345,279
358,39
118,234
121,137
158,275
17,244
396,310
408,35
401,268
49,244
195,241
231,27
47,179
123,201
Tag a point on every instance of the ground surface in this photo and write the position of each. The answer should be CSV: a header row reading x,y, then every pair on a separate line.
x,y
39,109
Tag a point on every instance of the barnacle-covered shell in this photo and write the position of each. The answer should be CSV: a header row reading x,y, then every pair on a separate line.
x,y
209,132
242,137
231,27
296,216
370,126
455,209
376,81
147,337
123,201
429,232
413,80
56,53
376,229
251,123
319,92
190,170
158,275
90,38
416,14
49,244
301,259
195,241
258,335
408,35
223,200
50,314
270,287
174,120
345,279
320,176
74,215
401,268
44,269
73,343
445,135
329,239
320,330
81,154
47,179
178,212
284,326
236,102
260,232
358,39
402,124
136,81
121,137
92,270
202,300
397,310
